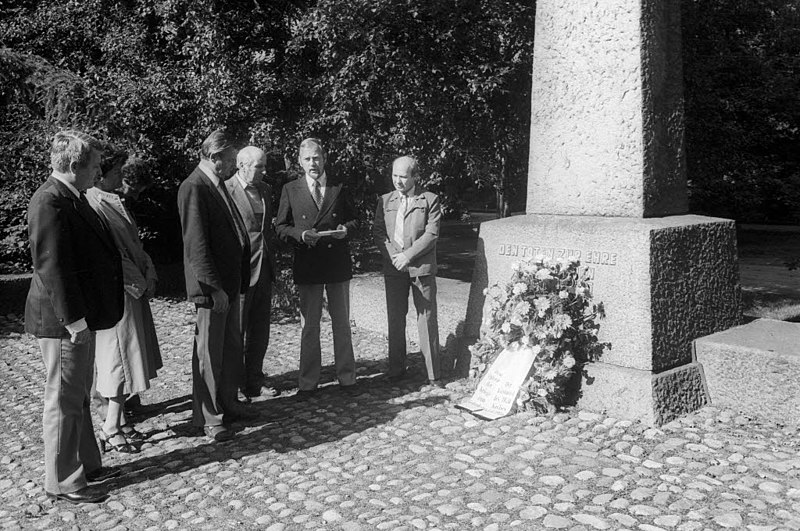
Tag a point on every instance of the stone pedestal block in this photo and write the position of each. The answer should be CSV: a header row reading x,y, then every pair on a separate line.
x,y
753,369
663,282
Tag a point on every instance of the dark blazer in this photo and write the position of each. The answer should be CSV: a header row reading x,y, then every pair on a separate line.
x,y
262,261
214,257
329,261
420,231
77,270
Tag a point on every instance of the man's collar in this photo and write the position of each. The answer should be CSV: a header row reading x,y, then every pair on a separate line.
x,y
62,178
323,180
207,167
411,193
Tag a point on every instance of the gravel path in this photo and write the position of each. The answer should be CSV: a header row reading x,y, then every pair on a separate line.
x,y
395,457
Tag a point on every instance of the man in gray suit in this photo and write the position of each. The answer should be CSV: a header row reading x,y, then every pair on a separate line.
x,y
253,199
406,229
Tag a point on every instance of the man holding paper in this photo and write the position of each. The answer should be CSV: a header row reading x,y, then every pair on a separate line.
x,y
316,216
406,229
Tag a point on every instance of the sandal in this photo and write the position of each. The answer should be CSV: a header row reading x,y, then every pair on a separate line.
x,y
132,434
110,442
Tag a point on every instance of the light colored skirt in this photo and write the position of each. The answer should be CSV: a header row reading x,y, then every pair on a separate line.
x,y
127,356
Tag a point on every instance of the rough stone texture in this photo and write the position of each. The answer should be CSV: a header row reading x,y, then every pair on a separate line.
x,y
651,398
663,281
753,368
607,110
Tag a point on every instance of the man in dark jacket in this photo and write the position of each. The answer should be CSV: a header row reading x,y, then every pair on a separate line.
x,y
76,289
316,216
216,260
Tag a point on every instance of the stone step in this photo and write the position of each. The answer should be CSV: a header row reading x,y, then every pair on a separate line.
x,y
753,368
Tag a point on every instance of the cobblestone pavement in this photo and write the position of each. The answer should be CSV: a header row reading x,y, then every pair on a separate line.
x,y
395,457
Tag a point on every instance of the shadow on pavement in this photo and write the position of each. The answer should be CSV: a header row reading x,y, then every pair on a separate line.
x,y
287,424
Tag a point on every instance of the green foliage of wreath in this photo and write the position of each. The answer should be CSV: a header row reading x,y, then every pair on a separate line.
x,y
546,306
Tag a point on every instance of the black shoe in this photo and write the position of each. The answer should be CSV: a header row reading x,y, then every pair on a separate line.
x,y
351,389
84,495
439,384
307,393
218,433
397,377
103,473
240,413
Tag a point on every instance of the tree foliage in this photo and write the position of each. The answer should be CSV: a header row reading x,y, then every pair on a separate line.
x,y
447,81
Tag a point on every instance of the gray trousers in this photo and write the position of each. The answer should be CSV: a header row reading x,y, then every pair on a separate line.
x,y
310,314
70,449
256,307
216,363
423,289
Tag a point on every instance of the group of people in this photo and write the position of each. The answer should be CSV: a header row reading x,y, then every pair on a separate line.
x,y
88,302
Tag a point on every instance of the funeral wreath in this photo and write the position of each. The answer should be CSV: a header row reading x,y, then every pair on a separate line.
x,y
547,306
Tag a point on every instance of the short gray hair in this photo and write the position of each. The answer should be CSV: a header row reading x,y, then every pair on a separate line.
x,y
71,146
411,164
217,142
249,155
310,143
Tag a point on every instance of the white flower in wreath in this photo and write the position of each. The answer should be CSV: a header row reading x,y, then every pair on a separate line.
x,y
551,375
563,294
580,291
530,268
523,308
519,288
525,340
536,349
542,392
543,274
568,362
542,303
515,266
506,328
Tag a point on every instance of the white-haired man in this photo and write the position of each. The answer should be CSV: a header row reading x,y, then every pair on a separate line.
x,y
76,289
253,199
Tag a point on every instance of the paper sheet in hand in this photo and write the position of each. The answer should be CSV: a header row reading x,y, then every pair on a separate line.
x,y
329,232
499,387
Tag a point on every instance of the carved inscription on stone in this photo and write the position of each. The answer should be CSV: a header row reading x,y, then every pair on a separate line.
x,y
586,256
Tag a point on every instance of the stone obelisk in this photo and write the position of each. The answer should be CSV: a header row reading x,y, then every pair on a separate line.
x,y
607,185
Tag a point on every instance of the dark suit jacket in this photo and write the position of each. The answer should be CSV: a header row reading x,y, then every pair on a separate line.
x,y
329,261
420,231
262,255
213,255
77,270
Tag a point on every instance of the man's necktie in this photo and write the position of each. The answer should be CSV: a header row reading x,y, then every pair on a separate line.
x,y
399,222
237,221
317,195
96,218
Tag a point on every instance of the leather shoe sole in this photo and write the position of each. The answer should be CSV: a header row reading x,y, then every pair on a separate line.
x,y
218,433
84,495
103,473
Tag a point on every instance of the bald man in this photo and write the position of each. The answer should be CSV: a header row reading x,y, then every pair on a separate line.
x,y
253,199
406,229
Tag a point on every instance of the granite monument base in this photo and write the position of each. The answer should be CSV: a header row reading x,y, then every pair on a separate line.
x,y
663,283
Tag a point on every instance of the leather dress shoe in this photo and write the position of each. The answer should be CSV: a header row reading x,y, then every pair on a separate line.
x,y
351,389
240,413
84,495
307,393
397,377
218,433
103,473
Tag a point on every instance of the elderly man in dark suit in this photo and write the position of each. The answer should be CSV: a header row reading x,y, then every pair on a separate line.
x,y
406,229
253,198
216,259
76,289
316,216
